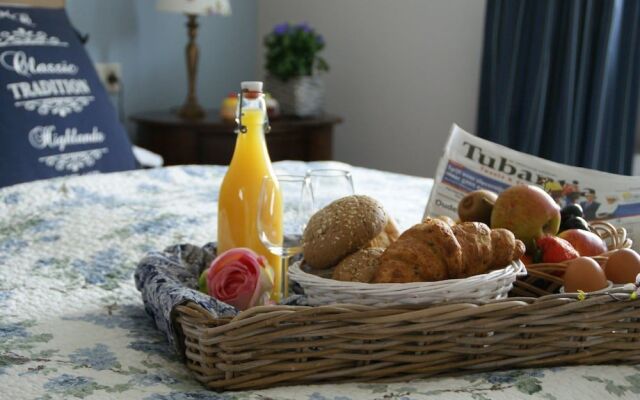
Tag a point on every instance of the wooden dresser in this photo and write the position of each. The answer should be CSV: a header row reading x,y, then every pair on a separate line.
x,y
212,140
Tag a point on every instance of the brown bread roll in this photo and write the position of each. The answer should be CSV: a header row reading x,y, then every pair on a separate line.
x,y
359,266
341,228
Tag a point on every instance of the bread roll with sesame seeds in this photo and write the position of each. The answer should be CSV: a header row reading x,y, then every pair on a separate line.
x,y
342,228
359,266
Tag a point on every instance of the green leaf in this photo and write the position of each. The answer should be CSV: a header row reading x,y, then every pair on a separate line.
x,y
528,385
119,388
634,380
12,359
322,64
432,392
613,388
202,281
374,387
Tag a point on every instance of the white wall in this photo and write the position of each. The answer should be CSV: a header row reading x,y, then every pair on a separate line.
x,y
149,44
402,72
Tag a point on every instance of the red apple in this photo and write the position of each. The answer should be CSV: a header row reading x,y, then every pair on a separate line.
x,y
527,211
588,244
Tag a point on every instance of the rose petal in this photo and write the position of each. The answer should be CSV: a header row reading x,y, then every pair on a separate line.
x,y
234,285
263,261
241,297
229,256
262,289
252,261
226,281
237,282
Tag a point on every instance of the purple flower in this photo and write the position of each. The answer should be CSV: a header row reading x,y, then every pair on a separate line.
x,y
281,29
304,27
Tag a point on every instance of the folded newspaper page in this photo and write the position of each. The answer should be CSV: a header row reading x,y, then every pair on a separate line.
x,y
470,163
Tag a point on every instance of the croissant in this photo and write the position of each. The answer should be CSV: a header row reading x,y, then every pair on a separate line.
x,y
433,251
422,253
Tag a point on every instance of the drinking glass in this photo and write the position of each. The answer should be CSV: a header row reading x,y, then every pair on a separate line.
x,y
284,208
328,185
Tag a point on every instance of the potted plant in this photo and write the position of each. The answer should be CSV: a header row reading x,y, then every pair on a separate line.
x,y
293,65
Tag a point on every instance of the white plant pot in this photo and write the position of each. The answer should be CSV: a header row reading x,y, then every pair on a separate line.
x,y
302,96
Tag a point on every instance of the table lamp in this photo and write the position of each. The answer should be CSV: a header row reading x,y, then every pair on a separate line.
x,y
192,9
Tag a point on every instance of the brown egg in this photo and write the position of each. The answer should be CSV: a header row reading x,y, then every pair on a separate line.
x,y
584,274
622,266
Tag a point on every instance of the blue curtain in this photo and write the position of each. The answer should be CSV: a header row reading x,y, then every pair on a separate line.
x,y
561,80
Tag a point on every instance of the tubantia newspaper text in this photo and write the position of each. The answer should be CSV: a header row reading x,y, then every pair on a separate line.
x,y
470,163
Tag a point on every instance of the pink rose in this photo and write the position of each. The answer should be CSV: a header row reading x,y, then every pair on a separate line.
x,y
241,278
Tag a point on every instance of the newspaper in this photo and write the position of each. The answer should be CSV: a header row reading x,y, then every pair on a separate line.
x,y
470,163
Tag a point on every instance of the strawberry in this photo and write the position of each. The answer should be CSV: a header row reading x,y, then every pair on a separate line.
x,y
555,249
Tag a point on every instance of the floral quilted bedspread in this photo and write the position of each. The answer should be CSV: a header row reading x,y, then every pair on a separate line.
x,y
72,324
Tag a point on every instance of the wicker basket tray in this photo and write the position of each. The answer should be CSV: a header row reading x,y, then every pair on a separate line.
x,y
286,345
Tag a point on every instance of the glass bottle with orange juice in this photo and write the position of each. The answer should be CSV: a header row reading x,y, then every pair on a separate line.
x,y
240,190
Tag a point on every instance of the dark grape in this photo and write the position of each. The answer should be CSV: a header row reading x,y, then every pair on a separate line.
x,y
572,210
574,223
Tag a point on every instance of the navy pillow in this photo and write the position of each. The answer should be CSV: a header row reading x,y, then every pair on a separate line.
x,y
55,116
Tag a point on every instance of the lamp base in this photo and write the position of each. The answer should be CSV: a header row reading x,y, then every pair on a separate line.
x,y
191,111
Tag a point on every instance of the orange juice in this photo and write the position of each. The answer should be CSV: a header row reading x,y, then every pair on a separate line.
x,y
240,190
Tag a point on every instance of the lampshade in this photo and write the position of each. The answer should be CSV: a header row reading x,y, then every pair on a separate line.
x,y
195,7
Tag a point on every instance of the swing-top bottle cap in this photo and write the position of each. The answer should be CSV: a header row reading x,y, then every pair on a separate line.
x,y
251,86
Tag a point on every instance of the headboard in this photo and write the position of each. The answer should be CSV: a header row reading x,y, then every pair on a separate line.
x,y
34,3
